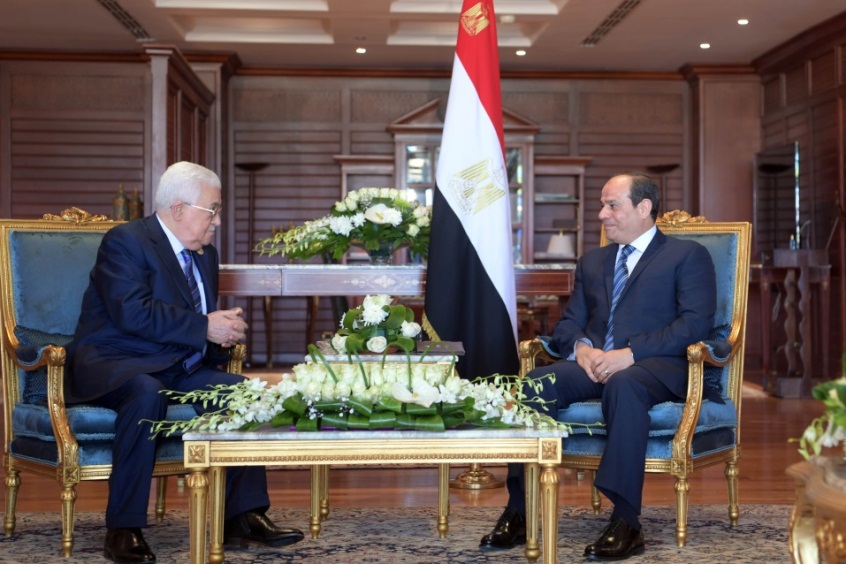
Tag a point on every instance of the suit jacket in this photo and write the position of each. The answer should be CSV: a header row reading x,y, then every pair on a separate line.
x,y
137,314
667,304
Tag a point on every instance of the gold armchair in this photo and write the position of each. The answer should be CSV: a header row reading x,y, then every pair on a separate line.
x,y
44,270
684,437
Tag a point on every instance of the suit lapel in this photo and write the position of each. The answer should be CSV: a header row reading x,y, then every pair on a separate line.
x,y
652,250
161,246
203,263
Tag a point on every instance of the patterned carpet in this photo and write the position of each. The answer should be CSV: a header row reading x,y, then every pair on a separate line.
x,y
408,535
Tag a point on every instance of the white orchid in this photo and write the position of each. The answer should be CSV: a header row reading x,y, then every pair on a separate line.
x,y
422,394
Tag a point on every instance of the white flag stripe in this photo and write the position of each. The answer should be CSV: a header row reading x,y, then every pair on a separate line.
x,y
469,138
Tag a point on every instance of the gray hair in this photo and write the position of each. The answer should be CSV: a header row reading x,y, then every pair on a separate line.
x,y
182,181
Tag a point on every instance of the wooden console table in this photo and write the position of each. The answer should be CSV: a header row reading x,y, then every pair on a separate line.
x,y
307,280
803,277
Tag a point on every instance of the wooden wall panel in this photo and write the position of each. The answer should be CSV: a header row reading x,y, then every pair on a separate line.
x,y
74,134
73,162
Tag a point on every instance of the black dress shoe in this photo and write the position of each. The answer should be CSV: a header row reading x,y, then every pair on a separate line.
x,y
510,530
618,541
127,546
254,527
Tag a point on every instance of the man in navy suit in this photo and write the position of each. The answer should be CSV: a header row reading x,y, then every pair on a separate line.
x,y
666,302
142,330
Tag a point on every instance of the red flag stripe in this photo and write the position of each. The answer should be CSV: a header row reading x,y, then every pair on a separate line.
x,y
478,51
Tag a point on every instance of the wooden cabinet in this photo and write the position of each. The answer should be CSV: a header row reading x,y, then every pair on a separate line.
x,y
554,210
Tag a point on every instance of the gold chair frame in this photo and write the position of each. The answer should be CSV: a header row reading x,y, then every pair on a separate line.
x,y
68,472
682,463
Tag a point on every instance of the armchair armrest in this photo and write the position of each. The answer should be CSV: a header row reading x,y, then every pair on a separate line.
x,y
237,354
711,352
531,351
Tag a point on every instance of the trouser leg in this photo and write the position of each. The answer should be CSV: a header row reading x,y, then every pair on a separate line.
x,y
571,385
626,401
133,452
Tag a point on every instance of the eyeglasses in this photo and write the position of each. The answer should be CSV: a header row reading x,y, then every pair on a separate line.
x,y
214,212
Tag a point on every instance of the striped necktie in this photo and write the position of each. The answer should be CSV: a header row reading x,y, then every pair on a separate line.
x,y
621,274
192,282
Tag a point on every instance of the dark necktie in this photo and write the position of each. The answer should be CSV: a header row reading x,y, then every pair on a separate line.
x,y
621,274
192,282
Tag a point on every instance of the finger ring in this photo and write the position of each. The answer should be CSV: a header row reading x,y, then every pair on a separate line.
x,y
606,373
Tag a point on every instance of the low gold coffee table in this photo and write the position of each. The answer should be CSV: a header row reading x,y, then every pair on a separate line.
x,y
207,454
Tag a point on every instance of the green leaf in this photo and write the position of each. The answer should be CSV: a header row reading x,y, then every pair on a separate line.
x,y
336,420
296,405
396,316
418,410
406,421
361,407
389,404
283,419
383,420
430,423
447,408
306,424
328,406
350,317
453,420
358,421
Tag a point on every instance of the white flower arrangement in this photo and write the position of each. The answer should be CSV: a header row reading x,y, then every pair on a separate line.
x,y
370,218
375,326
365,395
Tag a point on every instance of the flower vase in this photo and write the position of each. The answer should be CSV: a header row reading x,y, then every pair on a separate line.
x,y
382,255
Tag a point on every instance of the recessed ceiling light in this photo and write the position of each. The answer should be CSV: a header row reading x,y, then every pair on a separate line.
x,y
361,50
742,21
520,53
704,45
507,19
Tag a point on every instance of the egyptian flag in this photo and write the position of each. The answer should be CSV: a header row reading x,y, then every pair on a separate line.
x,y
470,294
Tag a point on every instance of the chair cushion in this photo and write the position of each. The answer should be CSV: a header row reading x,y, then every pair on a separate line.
x,y
93,428
716,428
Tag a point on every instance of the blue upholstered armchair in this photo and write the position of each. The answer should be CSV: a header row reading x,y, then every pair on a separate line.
x,y
44,271
699,432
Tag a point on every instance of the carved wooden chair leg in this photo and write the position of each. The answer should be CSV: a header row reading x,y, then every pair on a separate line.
x,y
682,489
13,483
161,495
732,474
68,497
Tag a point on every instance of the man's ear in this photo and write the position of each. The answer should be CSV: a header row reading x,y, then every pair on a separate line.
x,y
645,206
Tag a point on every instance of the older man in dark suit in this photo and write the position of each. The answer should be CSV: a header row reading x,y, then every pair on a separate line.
x,y
635,308
150,322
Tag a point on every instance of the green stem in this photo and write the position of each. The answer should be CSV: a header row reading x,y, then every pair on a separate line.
x,y
313,350
362,370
